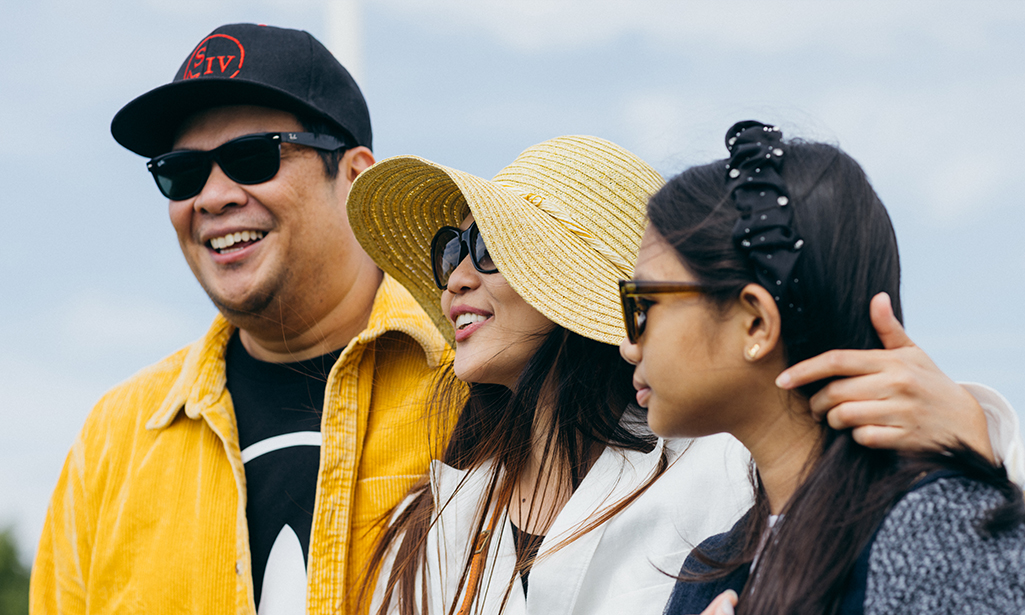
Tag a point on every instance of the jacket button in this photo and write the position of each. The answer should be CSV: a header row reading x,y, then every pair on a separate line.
x,y
238,567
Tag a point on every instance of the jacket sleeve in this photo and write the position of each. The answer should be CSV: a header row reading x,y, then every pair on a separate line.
x,y
61,568
1004,433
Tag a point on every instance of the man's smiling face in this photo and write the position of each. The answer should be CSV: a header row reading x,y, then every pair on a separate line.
x,y
263,250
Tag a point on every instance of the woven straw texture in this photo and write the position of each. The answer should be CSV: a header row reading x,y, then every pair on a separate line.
x,y
563,223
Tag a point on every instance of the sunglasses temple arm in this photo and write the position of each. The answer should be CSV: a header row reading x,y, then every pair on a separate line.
x,y
324,142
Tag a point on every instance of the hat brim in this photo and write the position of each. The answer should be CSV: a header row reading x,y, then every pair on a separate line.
x,y
149,124
396,206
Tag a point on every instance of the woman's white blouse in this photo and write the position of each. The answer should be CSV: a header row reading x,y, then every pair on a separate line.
x,y
624,565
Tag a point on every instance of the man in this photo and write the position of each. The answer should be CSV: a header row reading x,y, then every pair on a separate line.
x,y
252,469
259,461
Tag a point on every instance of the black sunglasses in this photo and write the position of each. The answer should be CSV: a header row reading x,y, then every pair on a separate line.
x,y
633,294
451,245
251,159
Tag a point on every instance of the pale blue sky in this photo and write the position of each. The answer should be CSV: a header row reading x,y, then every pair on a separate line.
x,y
926,95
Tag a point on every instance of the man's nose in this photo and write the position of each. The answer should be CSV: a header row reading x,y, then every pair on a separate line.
x,y
219,193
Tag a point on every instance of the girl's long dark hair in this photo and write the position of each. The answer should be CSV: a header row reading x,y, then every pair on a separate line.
x,y
590,392
850,255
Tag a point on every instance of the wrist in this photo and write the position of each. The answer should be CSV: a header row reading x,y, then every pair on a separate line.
x,y
976,434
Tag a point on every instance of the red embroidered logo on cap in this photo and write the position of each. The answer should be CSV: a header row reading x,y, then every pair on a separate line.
x,y
217,55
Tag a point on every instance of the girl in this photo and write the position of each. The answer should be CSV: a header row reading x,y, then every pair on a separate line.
x,y
749,266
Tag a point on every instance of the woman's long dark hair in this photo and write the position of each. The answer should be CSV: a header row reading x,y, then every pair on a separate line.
x,y
850,255
590,388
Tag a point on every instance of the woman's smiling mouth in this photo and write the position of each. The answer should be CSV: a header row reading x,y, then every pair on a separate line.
x,y
466,319
466,322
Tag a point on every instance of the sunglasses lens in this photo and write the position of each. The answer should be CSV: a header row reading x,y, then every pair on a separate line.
x,y
250,160
635,316
640,319
246,160
181,175
446,252
480,253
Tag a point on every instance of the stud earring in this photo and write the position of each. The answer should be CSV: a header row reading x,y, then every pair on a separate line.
x,y
752,352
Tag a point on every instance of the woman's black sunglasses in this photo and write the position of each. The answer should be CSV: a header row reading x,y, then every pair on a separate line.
x,y
634,293
451,245
251,159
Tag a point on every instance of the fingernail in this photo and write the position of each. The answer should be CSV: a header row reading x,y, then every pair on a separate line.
x,y
783,380
726,607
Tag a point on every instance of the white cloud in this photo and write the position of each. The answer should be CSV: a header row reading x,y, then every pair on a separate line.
x,y
951,144
941,148
862,27
200,9
670,131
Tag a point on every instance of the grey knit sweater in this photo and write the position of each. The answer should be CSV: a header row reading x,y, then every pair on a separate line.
x,y
928,557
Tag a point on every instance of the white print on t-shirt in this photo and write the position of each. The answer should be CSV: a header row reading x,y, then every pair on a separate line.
x,y
284,579
298,438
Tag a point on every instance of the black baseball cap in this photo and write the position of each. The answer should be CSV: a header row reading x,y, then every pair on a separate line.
x,y
247,64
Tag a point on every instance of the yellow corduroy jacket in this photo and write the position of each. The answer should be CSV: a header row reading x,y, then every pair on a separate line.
x,y
149,514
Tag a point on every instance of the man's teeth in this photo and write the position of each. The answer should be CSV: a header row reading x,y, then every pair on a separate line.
x,y
466,319
220,243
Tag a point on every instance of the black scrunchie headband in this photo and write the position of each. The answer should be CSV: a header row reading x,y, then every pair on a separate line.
x,y
764,232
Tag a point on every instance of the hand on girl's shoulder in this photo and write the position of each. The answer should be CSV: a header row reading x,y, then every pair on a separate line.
x,y
723,604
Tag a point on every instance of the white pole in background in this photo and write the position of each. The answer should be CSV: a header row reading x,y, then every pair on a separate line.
x,y
344,38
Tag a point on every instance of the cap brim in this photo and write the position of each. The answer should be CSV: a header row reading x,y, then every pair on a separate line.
x,y
149,124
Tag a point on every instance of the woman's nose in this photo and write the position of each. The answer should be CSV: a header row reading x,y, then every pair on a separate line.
x,y
465,277
630,352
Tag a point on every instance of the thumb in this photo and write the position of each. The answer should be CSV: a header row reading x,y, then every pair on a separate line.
x,y
723,604
889,329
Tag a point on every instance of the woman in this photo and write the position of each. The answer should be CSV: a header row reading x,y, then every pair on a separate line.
x,y
547,453
751,265
550,480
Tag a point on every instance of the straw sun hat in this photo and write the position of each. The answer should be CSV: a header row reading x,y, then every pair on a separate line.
x,y
563,223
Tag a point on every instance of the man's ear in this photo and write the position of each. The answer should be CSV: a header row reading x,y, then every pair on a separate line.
x,y
354,162
761,320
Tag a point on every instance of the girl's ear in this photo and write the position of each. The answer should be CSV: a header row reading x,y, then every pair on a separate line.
x,y
761,321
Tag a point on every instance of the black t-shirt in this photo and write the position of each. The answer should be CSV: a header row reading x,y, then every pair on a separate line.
x,y
278,407
527,546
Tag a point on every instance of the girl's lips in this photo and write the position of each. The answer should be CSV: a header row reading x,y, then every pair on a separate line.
x,y
643,395
467,331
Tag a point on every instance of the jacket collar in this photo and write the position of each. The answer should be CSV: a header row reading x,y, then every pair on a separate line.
x,y
556,578
395,310
202,379
614,476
